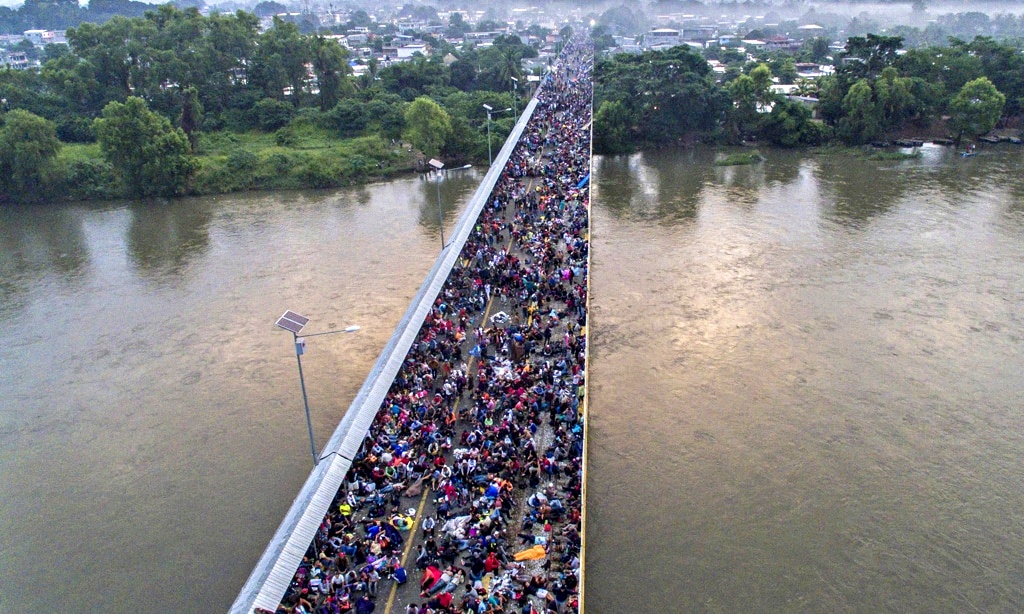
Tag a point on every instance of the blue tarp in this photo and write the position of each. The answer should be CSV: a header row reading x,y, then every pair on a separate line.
x,y
583,182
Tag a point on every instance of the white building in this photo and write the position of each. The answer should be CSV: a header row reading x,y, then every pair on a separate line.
x,y
407,51
662,37
39,37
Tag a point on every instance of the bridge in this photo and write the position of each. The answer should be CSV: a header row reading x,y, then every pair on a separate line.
x,y
474,415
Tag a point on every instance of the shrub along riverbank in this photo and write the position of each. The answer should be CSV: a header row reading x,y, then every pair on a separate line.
x,y
234,162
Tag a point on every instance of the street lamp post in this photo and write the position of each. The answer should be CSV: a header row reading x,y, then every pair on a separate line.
x,y
438,165
490,110
294,323
515,91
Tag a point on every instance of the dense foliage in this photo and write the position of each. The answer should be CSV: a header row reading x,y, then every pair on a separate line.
x,y
878,90
28,146
196,77
657,97
149,156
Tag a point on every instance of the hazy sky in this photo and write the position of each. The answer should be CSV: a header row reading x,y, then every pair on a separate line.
x,y
935,7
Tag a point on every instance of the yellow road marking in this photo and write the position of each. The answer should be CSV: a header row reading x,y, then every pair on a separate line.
x,y
408,548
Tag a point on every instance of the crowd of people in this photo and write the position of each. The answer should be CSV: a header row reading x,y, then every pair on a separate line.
x,y
483,424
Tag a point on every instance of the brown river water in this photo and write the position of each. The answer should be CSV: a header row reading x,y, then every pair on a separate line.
x,y
152,434
807,385
805,382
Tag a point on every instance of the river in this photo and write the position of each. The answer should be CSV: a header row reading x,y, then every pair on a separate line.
x,y
152,434
806,381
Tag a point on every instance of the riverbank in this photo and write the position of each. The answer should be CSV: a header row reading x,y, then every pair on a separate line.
x,y
303,156
882,151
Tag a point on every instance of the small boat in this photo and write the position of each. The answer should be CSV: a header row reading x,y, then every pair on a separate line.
x,y
989,139
946,142
909,143
968,154
1015,140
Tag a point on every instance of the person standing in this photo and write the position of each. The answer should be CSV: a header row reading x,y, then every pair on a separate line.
x,y
372,579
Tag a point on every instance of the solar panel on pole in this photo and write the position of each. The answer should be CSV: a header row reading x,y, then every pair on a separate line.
x,y
292,322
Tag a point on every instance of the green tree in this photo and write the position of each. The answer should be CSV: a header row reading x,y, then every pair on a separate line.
x,y
427,126
786,71
762,80
602,38
742,116
1003,64
500,63
860,122
872,52
269,114
348,118
831,91
613,124
949,67
385,114
457,25
269,8
279,62
976,108
463,72
789,125
28,145
330,63
359,19
150,157
895,101
191,116
624,20
414,78
106,62
815,49
463,142
671,94
28,48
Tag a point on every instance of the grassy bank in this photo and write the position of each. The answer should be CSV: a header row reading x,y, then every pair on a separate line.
x,y
894,155
295,157
740,158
